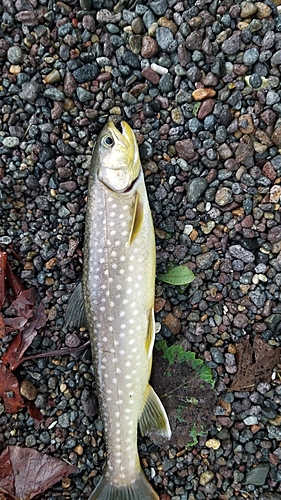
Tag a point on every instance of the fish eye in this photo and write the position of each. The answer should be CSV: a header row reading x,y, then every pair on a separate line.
x,y
107,141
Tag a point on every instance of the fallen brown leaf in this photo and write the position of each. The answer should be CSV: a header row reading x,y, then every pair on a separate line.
x,y
256,361
25,473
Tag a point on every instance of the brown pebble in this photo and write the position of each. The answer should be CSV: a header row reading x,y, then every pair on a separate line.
x,y
28,390
206,108
151,75
159,304
245,123
185,149
269,171
166,23
69,85
57,110
276,136
172,323
149,47
201,94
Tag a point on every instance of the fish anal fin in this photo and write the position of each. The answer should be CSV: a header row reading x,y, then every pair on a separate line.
x,y
154,416
75,315
137,219
150,334
140,489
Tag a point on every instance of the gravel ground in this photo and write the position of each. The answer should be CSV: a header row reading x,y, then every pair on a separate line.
x,y
199,82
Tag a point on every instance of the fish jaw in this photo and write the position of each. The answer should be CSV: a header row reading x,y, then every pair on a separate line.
x,y
119,163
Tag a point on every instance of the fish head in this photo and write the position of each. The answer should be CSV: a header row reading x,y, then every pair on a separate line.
x,y
117,160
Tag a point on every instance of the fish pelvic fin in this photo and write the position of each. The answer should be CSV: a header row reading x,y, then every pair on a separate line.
x,y
137,219
150,334
75,314
139,490
154,416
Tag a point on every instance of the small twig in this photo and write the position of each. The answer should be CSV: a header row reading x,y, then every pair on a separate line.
x,y
10,494
58,352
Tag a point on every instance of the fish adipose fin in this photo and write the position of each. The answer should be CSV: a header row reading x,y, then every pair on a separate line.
x,y
139,490
137,219
154,417
75,315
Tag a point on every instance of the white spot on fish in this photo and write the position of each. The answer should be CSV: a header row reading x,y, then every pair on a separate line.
x,y
117,243
118,370
129,385
121,271
109,391
105,339
120,392
111,303
121,335
125,301
123,326
119,402
118,287
117,414
114,380
106,272
108,399
112,232
122,258
121,314
113,253
129,278
128,377
135,312
121,216
128,363
114,266
112,214
122,351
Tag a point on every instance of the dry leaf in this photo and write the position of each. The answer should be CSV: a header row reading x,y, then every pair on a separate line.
x,y
25,473
256,361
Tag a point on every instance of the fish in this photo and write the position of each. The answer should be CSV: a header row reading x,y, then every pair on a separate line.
x,y
116,302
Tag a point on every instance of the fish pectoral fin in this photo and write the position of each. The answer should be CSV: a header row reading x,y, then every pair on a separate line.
x,y
154,416
75,315
150,334
137,219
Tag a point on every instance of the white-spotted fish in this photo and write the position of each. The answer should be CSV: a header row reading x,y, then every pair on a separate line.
x,y
118,297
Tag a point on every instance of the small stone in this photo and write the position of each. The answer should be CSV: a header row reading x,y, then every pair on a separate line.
x,y
54,94
172,323
250,56
275,194
213,443
185,150
30,92
83,94
206,477
52,77
201,94
165,39
206,108
240,320
276,136
151,75
149,47
257,475
160,70
223,196
14,55
276,58
159,7
11,142
166,83
241,253
246,125
205,260
86,73
28,390
248,9
232,45
263,10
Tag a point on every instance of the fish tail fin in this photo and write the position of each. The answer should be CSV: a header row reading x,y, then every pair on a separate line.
x,y
139,490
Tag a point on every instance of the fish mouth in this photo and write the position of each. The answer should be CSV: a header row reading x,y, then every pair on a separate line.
x,y
122,132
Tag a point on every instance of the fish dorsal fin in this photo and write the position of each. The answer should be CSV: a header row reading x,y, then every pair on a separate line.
x,y
75,315
154,417
150,334
137,219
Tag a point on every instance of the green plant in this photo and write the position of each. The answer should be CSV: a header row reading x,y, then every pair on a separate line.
x,y
179,275
194,434
176,354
